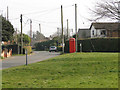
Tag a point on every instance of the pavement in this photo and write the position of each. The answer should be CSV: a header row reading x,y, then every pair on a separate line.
x,y
21,60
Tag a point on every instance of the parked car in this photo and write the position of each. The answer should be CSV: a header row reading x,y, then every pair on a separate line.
x,y
53,48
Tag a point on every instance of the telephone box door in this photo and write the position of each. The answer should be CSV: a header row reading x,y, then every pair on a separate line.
x,y
72,45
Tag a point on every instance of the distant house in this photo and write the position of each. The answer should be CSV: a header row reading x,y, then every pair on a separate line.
x,y
105,29
83,33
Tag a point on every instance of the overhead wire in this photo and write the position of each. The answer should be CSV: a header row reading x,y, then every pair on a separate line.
x,y
43,22
25,23
82,17
40,20
46,13
42,11
13,18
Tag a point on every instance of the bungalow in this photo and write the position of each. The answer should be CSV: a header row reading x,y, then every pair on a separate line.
x,y
105,29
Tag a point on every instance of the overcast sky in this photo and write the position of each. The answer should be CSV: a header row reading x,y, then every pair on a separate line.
x,y
47,13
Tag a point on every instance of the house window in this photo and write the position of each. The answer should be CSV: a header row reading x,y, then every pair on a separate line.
x,y
103,32
93,32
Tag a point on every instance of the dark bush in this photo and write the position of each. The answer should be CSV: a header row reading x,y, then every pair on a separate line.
x,y
59,48
29,49
14,48
97,45
41,46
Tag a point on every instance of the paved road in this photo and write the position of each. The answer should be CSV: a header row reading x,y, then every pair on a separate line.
x,y
20,60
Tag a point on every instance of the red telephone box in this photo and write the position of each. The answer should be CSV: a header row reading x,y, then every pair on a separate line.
x,y
72,48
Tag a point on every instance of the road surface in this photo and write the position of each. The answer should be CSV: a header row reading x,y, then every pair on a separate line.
x,y
21,60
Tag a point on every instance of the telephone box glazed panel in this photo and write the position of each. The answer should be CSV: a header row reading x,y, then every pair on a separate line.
x,y
72,45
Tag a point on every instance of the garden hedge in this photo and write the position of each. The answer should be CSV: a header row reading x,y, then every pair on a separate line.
x,y
41,46
29,49
15,48
97,45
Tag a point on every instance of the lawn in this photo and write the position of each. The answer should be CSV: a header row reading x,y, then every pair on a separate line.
x,y
76,70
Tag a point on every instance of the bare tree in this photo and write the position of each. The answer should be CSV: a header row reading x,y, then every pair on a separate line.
x,y
107,9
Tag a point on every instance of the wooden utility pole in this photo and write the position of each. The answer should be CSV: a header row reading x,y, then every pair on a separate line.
x,y
58,32
76,24
62,29
40,27
7,13
67,29
58,36
21,35
17,39
31,31
30,28
72,32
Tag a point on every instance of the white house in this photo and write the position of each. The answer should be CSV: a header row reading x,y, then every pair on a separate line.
x,y
104,29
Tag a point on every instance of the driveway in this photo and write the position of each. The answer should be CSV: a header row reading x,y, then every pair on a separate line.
x,y
21,60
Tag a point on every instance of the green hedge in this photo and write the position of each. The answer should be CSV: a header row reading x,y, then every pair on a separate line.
x,y
14,48
97,45
29,49
59,48
41,46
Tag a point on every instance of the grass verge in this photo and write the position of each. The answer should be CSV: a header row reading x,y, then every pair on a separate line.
x,y
76,70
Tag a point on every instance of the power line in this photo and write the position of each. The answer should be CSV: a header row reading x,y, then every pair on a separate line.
x,y
42,11
41,21
14,18
45,21
46,24
39,12
25,23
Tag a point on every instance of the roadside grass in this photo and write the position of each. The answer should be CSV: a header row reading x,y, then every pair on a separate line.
x,y
76,70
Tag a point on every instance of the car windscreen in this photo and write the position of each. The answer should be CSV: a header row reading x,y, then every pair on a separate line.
x,y
52,47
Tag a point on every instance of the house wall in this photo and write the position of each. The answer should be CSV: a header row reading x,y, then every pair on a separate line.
x,y
93,30
105,30
84,33
116,34
97,32
113,33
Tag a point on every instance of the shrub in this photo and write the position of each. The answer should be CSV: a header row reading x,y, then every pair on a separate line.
x,y
59,48
97,45
15,48
41,46
29,49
